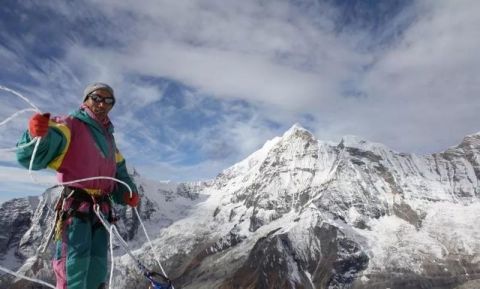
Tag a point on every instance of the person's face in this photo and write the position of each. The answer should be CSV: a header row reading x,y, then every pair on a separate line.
x,y
97,102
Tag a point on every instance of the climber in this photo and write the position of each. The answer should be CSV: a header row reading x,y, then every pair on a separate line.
x,y
81,145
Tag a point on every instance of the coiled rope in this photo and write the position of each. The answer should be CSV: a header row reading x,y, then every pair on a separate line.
x,y
110,228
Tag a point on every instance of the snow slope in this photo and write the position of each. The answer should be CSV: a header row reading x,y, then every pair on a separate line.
x,y
304,213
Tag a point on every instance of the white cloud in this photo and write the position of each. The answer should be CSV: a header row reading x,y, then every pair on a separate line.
x,y
424,89
415,93
263,53
17,183
22,175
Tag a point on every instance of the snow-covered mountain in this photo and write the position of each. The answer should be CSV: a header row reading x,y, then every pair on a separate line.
x,y
298,213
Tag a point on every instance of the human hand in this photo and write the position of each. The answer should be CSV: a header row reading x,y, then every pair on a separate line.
x,y
38,124
131,201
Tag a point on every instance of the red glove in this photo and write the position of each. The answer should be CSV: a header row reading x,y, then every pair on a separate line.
x,y
38,124
133,201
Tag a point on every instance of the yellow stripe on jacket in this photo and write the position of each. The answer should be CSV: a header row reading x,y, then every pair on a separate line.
x,y
65,130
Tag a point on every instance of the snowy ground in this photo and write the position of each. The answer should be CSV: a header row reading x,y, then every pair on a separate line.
x,y
447,230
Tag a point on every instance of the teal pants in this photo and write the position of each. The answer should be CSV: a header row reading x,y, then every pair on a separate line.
x,y
81,255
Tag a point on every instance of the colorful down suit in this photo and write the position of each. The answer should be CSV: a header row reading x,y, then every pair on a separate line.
x,y
78,146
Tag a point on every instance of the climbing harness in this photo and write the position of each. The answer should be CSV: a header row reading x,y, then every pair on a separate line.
x,y
157,280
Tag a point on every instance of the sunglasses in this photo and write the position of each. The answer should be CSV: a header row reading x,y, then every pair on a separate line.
x,y
99,99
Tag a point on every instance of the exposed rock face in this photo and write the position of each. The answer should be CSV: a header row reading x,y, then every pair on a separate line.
x,y
15,220
274,260
378,219
301,213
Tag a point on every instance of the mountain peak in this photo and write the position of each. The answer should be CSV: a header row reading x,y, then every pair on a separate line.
x,y
296,129
294,139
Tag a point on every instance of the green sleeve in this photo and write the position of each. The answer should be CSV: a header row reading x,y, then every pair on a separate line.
x,y
120,189
51,145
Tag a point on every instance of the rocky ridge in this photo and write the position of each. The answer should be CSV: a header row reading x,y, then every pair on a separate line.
x,y
302,213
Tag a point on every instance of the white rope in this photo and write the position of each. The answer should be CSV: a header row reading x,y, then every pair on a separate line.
x,y
16,114
32,109
111,229
151,244
19,95
30,167
156,257
97,178
26,278
112,259
36,141
20,146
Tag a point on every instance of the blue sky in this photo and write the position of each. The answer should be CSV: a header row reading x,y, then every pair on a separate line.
x,y
202,84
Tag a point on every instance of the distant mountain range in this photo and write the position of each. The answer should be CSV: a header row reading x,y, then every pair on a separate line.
x,y
298,213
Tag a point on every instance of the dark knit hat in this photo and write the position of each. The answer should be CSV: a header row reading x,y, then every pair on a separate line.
x,y
96,86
